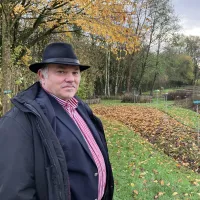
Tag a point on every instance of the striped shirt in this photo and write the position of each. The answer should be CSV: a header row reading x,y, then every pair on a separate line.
x,y
70,107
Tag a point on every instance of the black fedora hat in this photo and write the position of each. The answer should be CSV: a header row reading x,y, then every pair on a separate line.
x,y
58,53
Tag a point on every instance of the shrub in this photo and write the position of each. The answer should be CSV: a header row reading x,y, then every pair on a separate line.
x,y
182,94
145,99
130,98
93,101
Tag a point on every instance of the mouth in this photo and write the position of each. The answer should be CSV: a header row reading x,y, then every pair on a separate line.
x,y
68,87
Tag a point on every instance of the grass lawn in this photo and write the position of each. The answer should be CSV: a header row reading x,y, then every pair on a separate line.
x,y
142,172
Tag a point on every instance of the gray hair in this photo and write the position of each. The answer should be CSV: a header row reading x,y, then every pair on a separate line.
x,y
44,71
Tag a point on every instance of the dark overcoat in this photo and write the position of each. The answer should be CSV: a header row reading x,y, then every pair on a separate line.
x,y
43,155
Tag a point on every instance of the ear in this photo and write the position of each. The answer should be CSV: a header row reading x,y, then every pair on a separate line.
x,y
41,77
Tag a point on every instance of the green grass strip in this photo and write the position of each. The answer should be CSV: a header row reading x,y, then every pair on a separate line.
x,y
141,172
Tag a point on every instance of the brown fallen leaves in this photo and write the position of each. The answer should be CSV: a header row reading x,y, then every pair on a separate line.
x,y
159,194
169,135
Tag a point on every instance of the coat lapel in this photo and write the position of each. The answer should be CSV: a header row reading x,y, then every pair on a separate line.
x,y
64,117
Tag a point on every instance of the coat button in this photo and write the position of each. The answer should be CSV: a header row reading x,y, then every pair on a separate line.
x,y
95,174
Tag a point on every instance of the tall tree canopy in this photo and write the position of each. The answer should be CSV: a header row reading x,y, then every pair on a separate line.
x,y
29,22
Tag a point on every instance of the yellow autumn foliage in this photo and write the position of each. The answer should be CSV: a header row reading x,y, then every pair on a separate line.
x,y
18,9
108,19
111,20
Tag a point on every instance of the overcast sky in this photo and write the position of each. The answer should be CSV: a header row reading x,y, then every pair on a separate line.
x,y
188,12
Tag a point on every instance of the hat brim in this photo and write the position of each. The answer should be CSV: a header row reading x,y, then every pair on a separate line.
x,y
36,66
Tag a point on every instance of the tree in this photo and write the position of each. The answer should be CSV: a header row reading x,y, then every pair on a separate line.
x,y
6,55
140,24
189,45
26,23
193,49
178,67
163,24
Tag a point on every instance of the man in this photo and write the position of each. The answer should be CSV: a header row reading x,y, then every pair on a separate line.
x,y
52,147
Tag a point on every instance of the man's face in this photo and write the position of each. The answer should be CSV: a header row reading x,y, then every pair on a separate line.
x,y
62,80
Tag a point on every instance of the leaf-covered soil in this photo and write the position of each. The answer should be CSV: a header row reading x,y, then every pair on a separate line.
x,y
142,172
169,135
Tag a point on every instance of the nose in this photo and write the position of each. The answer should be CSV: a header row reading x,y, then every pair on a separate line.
x,y
69,77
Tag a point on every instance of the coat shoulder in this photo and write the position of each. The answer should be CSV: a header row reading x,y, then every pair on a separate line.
x,y
14,120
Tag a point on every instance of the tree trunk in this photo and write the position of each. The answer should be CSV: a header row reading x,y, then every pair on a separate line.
x,y
107,73
144,63
156,65
130,73
129,79
6,58
153,84
117,78
106,76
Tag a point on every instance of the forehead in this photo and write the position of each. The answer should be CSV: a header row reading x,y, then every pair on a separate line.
x,y
61,66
